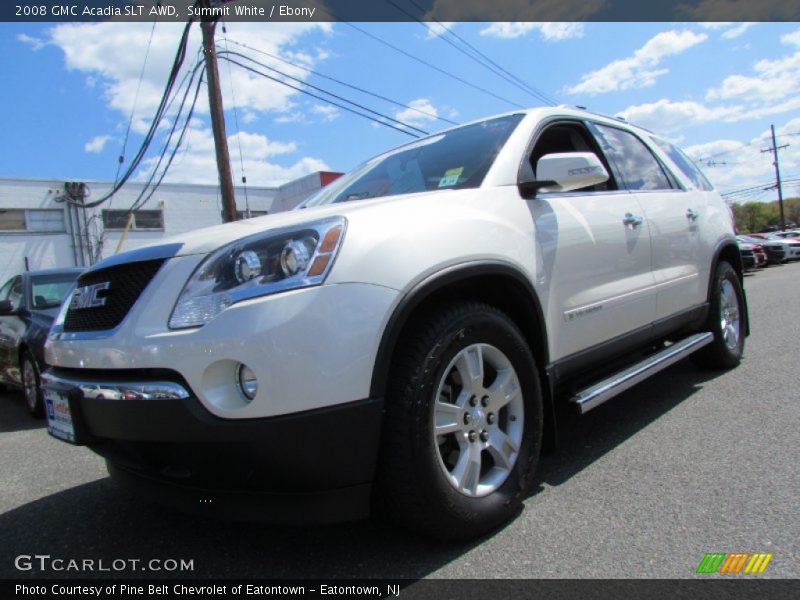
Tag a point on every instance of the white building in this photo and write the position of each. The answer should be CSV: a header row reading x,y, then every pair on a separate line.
x,y
43,225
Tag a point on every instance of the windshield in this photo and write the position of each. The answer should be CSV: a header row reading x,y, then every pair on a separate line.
x,y
48,290
456,159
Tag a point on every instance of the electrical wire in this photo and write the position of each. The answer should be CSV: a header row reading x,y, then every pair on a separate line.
x,y
319,89
141,200
346,108
476,55
349,85
135,101
160,111
434,67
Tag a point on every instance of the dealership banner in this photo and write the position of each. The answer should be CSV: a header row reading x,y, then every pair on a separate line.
x,y
433,589
401,10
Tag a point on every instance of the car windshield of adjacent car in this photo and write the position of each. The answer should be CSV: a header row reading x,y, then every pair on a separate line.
x,y
456,159
47,291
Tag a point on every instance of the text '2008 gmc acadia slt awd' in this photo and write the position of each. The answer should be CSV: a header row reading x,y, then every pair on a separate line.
x,y
400,343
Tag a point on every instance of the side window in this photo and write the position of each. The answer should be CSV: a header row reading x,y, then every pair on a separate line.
x,y
632,161
685,164
6,289
15,293
568,137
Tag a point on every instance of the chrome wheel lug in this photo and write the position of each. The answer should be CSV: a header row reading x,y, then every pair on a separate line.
x,y
472,436
484,436
491,418
467,418
473,401
485,401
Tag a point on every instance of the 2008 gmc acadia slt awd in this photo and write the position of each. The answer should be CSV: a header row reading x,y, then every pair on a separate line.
x,y
401,342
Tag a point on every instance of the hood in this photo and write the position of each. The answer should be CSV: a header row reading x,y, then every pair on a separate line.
x,y
208,239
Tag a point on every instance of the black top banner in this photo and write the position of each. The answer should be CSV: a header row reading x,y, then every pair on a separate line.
x,y
402,10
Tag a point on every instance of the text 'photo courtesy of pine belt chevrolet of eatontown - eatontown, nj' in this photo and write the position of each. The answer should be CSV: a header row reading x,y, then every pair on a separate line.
x,y
399,298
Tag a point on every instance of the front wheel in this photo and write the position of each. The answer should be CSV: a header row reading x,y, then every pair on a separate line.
x,y
31,384
463,424
727,321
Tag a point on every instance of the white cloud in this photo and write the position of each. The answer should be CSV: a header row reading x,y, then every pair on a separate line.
x,y
561,31
551,32
507,30
436,28
791,38
420,111
96,144
291,117
732,29
770,81
327,112
34,42
638,70
738,164
735,32
198,163
666,115
112,54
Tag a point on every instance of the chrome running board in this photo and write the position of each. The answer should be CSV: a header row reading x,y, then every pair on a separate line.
x,y
627,378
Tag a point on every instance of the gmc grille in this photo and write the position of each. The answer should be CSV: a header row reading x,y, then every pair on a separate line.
x,y
126,284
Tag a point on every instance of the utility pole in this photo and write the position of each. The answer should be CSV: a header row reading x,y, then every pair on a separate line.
x,y
208,25
774,151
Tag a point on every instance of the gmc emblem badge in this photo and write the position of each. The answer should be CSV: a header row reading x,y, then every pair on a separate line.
x,y
86,297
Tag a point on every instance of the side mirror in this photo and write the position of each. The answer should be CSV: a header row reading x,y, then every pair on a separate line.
x,y
565,172
6,308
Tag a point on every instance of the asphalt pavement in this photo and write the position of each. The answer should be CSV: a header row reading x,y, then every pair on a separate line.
x,y
688,462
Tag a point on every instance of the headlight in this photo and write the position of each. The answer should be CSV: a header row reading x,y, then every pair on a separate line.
x,y
266,263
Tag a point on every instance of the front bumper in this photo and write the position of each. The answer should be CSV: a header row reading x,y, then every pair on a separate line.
x,y
309,348
316,465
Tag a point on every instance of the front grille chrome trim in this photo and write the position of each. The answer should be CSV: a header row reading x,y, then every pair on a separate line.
x,y
119,390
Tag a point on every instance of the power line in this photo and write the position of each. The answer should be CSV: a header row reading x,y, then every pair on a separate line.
x,y
160,111
224,56
477,56
139,200
344,83
319,89
744,145
135,101
434,67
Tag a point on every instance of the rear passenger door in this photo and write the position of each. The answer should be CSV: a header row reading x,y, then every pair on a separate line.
x,y
672,216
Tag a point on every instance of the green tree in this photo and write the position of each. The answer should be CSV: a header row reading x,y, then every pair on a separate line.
x,y
751,216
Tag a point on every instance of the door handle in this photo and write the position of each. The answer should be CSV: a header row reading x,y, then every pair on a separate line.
x,y
692,214
632,221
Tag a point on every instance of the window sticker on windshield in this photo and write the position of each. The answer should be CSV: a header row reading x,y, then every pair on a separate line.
x,y
451,177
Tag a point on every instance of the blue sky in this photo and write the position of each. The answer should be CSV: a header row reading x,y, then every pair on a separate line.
x,y
713,88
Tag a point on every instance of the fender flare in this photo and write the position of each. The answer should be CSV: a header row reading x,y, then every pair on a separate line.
x,y
462,273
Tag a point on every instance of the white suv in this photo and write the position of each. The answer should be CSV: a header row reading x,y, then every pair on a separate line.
x,y
400,344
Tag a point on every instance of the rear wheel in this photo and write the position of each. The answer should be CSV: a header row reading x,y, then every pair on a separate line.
x,y
31,385
463,424
727,321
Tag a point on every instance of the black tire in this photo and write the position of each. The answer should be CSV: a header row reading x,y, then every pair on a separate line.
x,y
33,397
413,486
724,352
